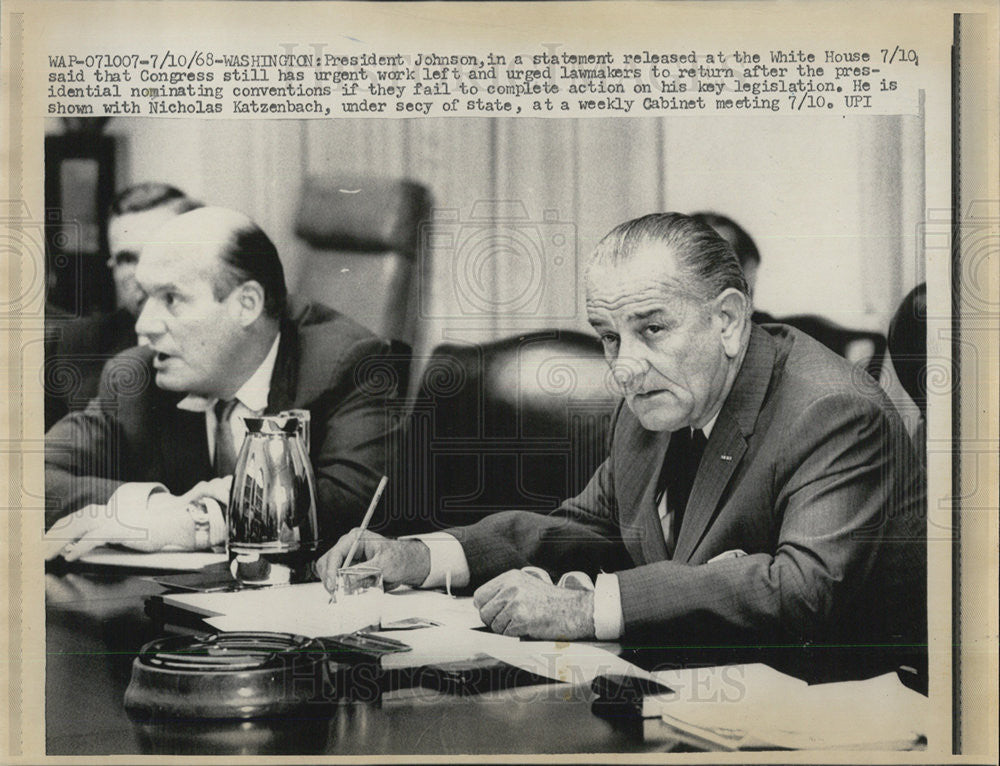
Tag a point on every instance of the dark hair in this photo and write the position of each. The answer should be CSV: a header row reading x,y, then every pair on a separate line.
x,y
147,196
702,255
251,255
746,249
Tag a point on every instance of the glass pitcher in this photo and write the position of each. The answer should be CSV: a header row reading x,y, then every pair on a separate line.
x,y
272,526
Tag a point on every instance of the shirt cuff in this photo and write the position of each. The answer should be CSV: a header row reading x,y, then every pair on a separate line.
x,y
134,494
447,556
216,522
608,616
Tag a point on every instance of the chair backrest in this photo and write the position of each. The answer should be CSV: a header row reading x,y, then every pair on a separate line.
x,y
853,345
362,235
908,345
520,423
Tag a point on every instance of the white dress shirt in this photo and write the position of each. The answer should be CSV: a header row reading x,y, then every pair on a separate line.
x,y
447,557
251,401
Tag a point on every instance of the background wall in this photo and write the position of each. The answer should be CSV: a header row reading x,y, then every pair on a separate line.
x,y
834,203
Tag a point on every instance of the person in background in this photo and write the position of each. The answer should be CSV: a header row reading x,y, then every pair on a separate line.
x,y
745,249
754,495
223,341
77,349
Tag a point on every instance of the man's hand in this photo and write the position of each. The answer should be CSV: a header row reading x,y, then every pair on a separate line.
x,y
163,521
403,562
519,604
217,489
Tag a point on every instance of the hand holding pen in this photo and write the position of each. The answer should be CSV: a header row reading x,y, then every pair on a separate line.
x,y
402,562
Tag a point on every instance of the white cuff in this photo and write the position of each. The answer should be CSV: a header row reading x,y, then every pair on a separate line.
x,y
447,556
135,494
216,522
608,618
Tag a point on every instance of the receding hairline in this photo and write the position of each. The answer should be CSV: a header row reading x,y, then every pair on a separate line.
x,y
671,280
704,262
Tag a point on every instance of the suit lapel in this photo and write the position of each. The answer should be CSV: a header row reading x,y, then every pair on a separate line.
x,y
654,547
728,441
281,395
637,460
723,453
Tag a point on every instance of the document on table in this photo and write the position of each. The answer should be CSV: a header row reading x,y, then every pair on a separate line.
x,y
306,609
569,662
179,561
754,706
437,646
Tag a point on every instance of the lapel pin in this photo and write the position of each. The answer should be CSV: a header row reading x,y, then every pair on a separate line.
x,y
726,457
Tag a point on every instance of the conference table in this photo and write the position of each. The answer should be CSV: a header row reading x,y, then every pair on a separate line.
x,y
96,621
98,618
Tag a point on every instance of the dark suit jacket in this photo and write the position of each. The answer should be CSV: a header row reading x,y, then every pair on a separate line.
x,y
133,431
75,353
808,470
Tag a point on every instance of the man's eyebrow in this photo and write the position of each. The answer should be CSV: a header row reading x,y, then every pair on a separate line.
x,y
644,314
158,288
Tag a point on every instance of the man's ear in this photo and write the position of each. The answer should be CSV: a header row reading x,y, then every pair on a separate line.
x,y
731,308
249,302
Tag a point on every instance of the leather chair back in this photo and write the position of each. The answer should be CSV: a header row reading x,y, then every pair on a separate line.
x,y
908,345
362,236
853,345
516,424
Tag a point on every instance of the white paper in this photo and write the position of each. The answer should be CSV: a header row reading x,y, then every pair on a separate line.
x,y
179,561
569,662
754,706
306,609
446,610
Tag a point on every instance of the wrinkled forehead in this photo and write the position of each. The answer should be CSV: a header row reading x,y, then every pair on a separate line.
x,y
650,273
178,263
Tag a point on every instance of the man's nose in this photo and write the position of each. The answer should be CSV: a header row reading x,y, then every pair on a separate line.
x,y
628,366
149,324
625,370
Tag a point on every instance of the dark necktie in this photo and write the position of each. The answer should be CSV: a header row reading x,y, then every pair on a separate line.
x,y
225,451
680,466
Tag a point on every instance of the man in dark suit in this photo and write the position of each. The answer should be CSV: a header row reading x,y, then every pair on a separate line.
x,y
225,341
76,350
758,489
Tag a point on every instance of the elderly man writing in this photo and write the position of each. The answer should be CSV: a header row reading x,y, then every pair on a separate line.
x,y
757,489
225,341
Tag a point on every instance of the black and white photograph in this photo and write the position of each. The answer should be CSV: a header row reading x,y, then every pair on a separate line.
x,y
501,432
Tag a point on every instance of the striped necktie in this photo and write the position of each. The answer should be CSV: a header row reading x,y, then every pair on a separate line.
x,y
225,450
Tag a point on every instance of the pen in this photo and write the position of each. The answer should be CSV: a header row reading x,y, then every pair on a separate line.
x,y
364,524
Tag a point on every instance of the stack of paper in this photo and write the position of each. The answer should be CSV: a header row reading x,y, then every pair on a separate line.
x,y
180,561
306,610
437,646
753,706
